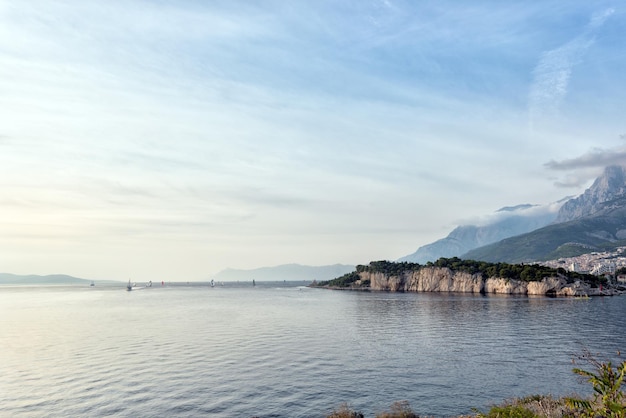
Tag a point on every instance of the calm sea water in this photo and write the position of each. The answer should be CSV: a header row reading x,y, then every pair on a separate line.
x,y
288,351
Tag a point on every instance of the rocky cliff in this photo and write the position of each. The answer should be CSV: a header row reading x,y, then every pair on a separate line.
x,y
442,279
609,186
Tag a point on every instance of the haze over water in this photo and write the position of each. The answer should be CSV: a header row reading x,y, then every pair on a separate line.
x,y
287,351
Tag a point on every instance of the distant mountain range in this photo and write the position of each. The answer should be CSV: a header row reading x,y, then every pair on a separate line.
x,y
289,272
504,223
595,220
15,279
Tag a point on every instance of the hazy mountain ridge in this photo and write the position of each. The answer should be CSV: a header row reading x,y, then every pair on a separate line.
x,y
287,272
506,222
8,278
604,230
595,220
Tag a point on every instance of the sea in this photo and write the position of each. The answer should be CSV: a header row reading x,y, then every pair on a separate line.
x,y
281,349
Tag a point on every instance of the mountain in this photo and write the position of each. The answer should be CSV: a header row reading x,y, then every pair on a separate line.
x,y
596,220
609,186
604,230
286,272
506,222
7,278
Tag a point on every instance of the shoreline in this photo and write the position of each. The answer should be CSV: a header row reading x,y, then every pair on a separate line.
x,y
604,293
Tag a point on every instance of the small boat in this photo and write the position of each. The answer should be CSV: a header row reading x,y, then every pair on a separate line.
x,y
129,286
92,283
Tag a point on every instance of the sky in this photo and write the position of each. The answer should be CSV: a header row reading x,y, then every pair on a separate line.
x,y
169,140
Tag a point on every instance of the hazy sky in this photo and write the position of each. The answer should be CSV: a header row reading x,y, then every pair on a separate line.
x,y
168,140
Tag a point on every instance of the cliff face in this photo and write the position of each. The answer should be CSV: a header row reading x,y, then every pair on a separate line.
x,y
441,279
610,185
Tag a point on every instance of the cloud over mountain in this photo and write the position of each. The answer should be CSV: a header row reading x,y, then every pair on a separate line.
x,y
588,166
504,223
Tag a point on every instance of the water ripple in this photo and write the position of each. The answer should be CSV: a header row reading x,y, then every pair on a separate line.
x,y
285,352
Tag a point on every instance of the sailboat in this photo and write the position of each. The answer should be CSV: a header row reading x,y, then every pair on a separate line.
x,y
129,286
212,283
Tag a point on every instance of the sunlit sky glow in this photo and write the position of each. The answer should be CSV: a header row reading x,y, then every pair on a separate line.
x,y
168,140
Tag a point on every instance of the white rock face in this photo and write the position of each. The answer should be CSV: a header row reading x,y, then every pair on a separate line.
x,y
380,281
438,279
442,279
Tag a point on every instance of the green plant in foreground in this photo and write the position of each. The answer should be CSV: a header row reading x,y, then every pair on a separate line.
x,y
608,400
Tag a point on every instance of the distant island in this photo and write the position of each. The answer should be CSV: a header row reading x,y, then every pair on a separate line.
x,y
469,276
287,272
51,279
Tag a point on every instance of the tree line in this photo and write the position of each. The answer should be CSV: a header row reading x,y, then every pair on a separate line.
x,y
524,272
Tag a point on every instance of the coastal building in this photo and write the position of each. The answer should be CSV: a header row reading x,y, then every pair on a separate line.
x,y
604,268
598,263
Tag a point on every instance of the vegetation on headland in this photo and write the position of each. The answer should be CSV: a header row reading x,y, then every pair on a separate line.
x,y
608,399
523,272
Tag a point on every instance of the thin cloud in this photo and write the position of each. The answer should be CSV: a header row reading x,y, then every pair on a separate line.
x,y
524,210
576,180
599,18
586,167
375,122
552,74
596,158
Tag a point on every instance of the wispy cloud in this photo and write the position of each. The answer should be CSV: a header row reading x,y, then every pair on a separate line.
x,y
535,211
552,74
595,158
279,122
580,170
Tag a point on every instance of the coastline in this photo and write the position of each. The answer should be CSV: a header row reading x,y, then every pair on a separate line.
x,y
446,280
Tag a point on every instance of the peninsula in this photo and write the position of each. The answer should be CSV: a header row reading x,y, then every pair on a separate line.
x,y
469,276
